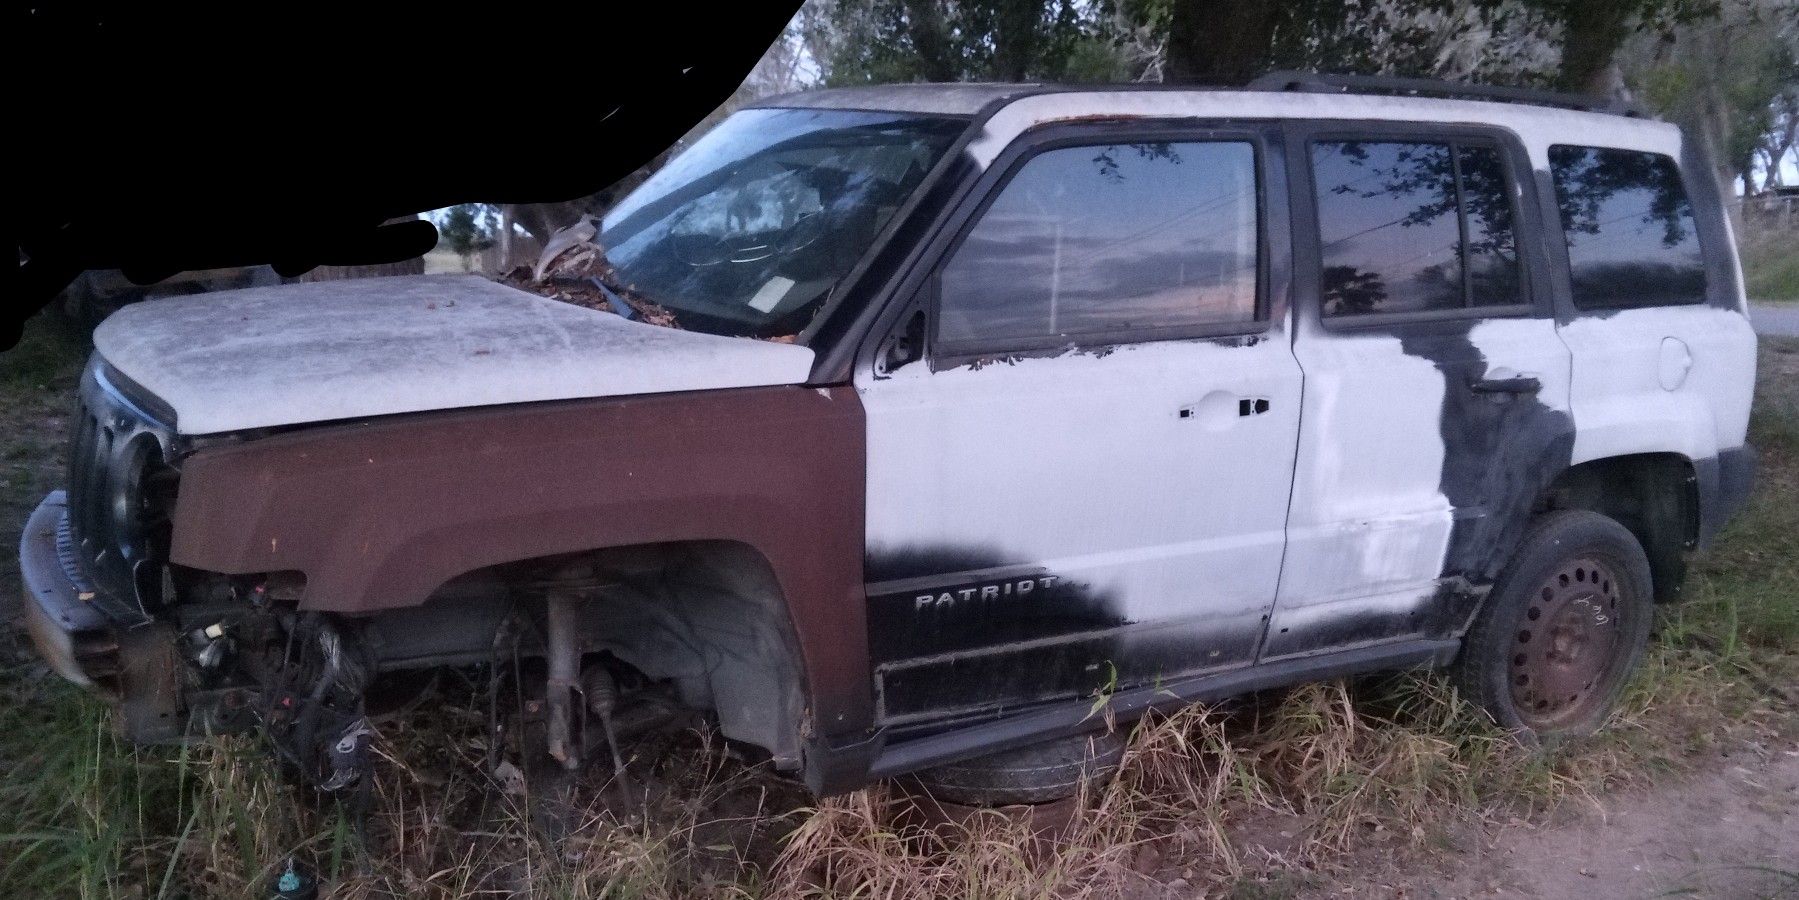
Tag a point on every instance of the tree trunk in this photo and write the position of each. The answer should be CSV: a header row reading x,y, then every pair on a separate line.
x,y
1713,130
1715,127
1016,36
1592,32
930,39
505,238
1219,41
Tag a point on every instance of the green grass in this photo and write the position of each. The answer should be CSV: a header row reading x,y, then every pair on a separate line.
x,y
1771,267
74,804
1747,588
49,354
37,390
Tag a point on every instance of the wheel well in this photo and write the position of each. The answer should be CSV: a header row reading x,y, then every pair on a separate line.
x,y
708,616
1654,495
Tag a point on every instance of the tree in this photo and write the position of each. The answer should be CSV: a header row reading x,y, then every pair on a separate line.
x,y
1225,42
467,229
1726,79
883,41
1782,137
1347,290
1592,32
1228,43
1568,43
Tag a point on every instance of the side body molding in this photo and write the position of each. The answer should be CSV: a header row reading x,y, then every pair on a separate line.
x,y
378,514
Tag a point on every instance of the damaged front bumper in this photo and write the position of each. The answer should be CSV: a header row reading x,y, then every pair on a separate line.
x,y
130,658
70,631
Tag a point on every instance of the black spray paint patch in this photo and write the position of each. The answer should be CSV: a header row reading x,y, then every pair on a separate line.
x,y
1500,451
1009,676
1446,613
954,629
931,600
959,631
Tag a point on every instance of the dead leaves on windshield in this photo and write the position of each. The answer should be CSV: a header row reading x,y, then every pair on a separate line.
x,y
574,269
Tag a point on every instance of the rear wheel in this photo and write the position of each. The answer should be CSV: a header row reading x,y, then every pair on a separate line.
x,y
1563,629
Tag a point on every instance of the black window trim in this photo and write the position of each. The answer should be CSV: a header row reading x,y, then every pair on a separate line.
x,y
1565,257
944,355
1306,226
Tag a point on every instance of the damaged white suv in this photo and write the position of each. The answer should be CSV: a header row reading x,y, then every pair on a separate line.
x,y
915,418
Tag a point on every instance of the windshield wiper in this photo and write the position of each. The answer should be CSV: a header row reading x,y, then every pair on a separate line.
x,y
624,310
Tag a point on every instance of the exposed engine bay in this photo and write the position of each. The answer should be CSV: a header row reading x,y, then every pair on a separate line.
x,y
314,685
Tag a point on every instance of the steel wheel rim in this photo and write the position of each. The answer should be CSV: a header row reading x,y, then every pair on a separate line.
x,y
1565,651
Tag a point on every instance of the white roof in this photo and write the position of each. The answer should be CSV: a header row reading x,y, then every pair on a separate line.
x,y
1537,126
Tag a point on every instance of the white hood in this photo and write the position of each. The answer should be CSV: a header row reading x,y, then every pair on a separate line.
x,y
377,346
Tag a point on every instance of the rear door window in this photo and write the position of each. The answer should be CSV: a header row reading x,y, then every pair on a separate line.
x,y
1414,227
1492,246
1629,227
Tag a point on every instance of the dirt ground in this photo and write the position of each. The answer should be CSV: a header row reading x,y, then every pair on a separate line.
x,y
1730,833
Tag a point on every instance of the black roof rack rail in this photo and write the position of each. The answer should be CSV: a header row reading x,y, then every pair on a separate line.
x,y
1320,83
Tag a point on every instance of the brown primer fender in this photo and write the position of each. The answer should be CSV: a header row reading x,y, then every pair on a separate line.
x,y
378,514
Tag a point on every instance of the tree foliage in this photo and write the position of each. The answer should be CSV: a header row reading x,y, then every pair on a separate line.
x,y
1713,65
1592,31
468,228
1226,43
1568,44
1733,81
880,41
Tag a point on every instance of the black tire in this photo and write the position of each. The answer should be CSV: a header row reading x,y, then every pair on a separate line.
x,y
1571,611
1040,773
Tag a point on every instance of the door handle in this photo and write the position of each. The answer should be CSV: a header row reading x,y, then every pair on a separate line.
x,y
1520,385
1219,407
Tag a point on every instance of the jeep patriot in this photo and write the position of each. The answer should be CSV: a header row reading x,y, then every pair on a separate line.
x,y
973,407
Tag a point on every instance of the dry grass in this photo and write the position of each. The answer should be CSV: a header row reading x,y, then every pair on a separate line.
x,y
1231,801
1230,798
1167,803
1338,766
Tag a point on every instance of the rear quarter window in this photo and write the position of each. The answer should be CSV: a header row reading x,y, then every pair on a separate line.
x,y
1629,228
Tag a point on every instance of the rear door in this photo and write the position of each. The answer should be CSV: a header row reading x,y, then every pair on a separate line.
x,y
1436,385
1084,485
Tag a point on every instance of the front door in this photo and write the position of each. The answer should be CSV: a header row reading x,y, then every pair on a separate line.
x,y
1084,486
1436,387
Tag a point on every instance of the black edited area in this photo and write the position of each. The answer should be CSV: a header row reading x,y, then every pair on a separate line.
x,y
156,142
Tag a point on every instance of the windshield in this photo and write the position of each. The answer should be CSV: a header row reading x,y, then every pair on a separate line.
x,y
747,232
